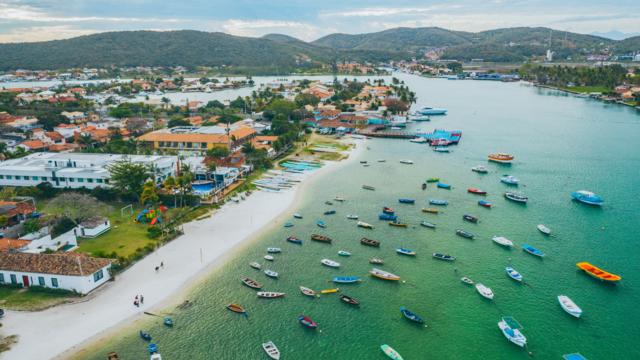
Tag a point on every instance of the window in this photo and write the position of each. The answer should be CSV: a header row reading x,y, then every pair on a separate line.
x,y
54,282
43,178
1,278
99,181
9,177
14,279
203,145
72,179
98,275
80,180
90,180
17,177
1,176
34,178
62,179
41,281
106,181
189,145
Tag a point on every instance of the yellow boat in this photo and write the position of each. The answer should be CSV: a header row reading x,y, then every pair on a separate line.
x,y
329,291
501,158
398,224
598,273
430,210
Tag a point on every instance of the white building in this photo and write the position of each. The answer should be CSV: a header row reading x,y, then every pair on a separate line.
x,y
93,227
71,271
75,170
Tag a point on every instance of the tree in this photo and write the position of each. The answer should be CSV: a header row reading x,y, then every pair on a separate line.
x,y
7,193
396,105
455,67
218,152
31,226
178,122
128,177
307,99
282,106
77,206
214,104
149,193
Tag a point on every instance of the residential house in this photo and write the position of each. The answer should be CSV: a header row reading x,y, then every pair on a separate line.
x,y
198,140
17,211
18,122
75,117
33,145
266,143
67,130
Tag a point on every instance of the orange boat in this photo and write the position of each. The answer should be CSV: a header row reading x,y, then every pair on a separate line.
x,y
598,273
501,158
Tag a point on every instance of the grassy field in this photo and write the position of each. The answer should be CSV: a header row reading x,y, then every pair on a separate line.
x,y
587,89
31,299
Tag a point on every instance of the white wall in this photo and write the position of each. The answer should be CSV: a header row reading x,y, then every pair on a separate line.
x,y
80,284
93,232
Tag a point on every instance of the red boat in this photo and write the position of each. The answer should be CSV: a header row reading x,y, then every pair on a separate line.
x,y
306,321
484,203
476,191
388,210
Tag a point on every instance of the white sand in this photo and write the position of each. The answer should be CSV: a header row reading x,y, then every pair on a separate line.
x,y
63,329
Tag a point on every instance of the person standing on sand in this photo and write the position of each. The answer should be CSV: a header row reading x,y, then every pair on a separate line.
x,y
162,264
141,299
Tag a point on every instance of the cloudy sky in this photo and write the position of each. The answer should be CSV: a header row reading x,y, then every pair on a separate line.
x,y
36,20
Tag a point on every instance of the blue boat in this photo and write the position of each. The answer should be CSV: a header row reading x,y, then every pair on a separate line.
x,y
407,201
574,356
531,250
168,322
403,251
432,111
321,224
346,279
443,186
145,335
411,316
387,217
288,225
587,197
485,203
153,348
295,240
438,202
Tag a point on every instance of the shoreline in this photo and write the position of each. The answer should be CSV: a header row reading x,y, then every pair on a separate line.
x,y
98,319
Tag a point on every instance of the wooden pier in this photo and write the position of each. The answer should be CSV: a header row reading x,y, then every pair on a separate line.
x,y
378,131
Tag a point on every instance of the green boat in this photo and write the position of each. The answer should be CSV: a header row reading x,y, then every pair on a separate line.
x,y
433,180
392,354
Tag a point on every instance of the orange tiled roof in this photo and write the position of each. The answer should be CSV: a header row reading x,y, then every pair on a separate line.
x,y
34,144
266,138
54,135
71,264
62,147
12,244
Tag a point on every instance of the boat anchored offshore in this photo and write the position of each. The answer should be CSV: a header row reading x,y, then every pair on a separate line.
x,y
502,158
510,180
271,350
464,234
476,191
270,294
403,251
470,218
370,242
406,162
364,225
384,275
346,279
428,224
349,300
390,352
376,261
427,110
511,330
344,253
519,198
307,322
411,316
501,240
438,202
569,306
587,197
352,217
480,169
443,186
321,238
513,274
543,229
251,283
293,239
308,292
485,203
330,263
531,250
466,280
444,257
598,273
485,291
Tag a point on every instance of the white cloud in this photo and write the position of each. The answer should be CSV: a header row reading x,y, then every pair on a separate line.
x,y
29,13
260,27
387,11
43,33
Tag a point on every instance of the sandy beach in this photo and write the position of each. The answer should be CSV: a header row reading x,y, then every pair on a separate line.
x,y
205,245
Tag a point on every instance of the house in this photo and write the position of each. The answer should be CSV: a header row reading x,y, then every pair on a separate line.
x,y
33,145
12,245
69,271
265,142
18,122
66,130
17,211
198,139
94,226
42,240
75,116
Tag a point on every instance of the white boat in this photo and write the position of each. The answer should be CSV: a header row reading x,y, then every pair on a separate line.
x,y
418,140
543,229
365,225
274,250
297,215
513,273
466,280
271,273
330,263
271,350
512,334
268,257
270,294
408,162
307,291
501,240
255,265
339,198
441,149
384,275
344,253
569,306
480,169
484,291
510,180
352,217
155,356
432,111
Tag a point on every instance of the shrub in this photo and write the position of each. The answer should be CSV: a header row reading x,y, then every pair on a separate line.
x,y
153,232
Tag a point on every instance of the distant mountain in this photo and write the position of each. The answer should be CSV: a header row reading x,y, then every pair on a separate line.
x,y
615,35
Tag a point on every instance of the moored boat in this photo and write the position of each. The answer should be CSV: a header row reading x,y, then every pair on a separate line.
x,y
329,212
407,201
476,191
569,306
444,257
424,186
513,273
427,224
346,279
406,162
519,198
368,187
418,140
501,240
430,210
329,291
480,169
321,238
344,253
390,352
271,273
411,316
384,275
543,229
597,272
510,180
321,224
270,294
512,332
237,308
352,217
464,234
485,203
466,280
364,225
502,158
438,202
432,180
441,185
388,210
485,291
531,250
297,215
168,321
288,224
470,218
376,261
330,263
427,110
255,265
269,257
307,322
306,291
271,350
349,300
145,335
339,198
370,242
397,224
403,251
274,250
573,356
293,239
251,283
387,217
587,197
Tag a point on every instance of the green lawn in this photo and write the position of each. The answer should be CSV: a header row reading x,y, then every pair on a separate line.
x,y
31,299
587,89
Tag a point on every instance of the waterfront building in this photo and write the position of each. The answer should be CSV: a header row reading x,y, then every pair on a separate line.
x,y
197,140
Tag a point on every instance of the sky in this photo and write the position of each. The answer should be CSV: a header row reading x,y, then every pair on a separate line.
x,y
39,20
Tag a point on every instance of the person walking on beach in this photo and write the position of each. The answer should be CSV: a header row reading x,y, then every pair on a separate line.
x,y
162,264
157,268
141,299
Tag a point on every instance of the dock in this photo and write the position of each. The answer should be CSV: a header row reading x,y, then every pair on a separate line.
x,y
452,136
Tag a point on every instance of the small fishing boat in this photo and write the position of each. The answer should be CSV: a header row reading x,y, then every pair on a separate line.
x,y
339,198
466,280
288,224
321,224
397,224
330,263
329,212
271,273
270,294
484,291
113,356
269,257
403,251
476,191
344,253
438,202
427,224
346,279
390,352
321,238
168,322
307,291
255,265
569,306
352,217
370,242
597,272
328,203
329,291
470,218
368,187
424,186
388,210
297,215
464,234
237,309
155,356
510,180
406,162
349,300
293,239
441,149
513,273
587,197
444,257
364,225
480,169
574,356
411,316
512,333
407,201
387,217
274,250
152,348
271,350
519,198
543,229
427,110
382,160
531,250
441,185
501,158
432,180
430,210
418,140
251,283
384,275
307,322
501,240
376,261
485,203
145,335
363,161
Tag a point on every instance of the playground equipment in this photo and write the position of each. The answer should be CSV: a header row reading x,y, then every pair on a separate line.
x,y
151,216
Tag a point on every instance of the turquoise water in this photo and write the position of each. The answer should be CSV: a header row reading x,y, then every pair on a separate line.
x,y
561,143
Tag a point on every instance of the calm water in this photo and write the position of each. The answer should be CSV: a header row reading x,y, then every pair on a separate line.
x,y
561,144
